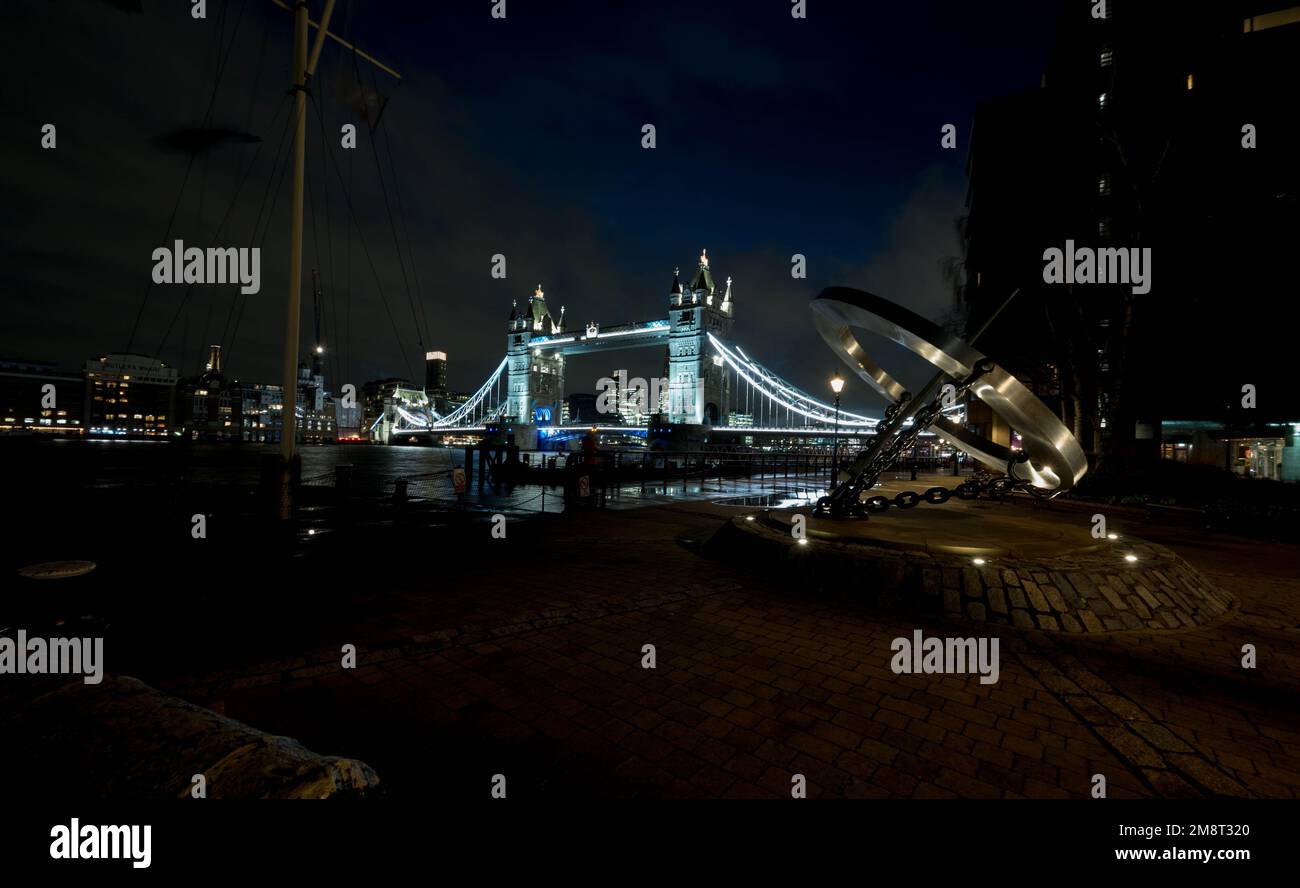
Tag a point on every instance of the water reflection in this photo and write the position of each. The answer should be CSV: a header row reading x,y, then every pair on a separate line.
x,y
782,499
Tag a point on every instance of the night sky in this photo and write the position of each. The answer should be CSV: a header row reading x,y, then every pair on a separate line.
x,y
522,137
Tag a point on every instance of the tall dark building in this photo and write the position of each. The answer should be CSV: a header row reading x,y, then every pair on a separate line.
x,y
207,406
1162,127
435,373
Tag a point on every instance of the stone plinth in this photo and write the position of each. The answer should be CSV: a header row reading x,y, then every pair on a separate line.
x,y
981,561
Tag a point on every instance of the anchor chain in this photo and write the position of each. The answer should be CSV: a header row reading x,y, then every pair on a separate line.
x,y
972,489
848,497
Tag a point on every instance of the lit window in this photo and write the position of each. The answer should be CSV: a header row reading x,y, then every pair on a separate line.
x,y
1107,58
1189,81
1103,185
1101,101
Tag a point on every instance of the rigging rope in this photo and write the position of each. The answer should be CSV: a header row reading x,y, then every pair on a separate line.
x,y
365,249
397,244
189,165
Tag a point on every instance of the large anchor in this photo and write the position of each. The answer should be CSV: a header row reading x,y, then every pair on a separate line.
x,y
1050,463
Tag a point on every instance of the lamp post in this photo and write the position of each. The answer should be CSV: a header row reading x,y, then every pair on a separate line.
x,y
837,386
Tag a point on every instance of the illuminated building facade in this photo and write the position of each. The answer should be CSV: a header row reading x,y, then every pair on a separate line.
x,y
36,398
129,395
698,390
536,376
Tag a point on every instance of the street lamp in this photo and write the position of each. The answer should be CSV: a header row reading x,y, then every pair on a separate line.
x,y
837,386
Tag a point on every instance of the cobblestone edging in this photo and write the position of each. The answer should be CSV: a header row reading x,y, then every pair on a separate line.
x,y
1092,591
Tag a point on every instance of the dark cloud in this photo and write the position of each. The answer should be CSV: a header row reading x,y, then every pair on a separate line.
x,y
201,140
522,140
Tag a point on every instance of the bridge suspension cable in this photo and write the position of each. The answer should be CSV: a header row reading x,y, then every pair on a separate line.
x,y
772,402
780,394
476,403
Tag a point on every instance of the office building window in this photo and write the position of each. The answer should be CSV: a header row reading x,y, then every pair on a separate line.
x,y
1103,185
1107,58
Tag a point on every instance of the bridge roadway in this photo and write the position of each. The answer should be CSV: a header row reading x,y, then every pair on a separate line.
x,y
635,429
636,335
810,431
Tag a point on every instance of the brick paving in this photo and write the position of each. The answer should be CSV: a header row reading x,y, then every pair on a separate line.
x,y
1038,569
528,663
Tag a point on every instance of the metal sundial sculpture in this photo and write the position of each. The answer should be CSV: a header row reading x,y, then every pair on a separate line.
x,y
1050,463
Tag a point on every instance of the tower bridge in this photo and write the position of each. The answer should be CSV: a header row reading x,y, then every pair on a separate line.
x,y
711,383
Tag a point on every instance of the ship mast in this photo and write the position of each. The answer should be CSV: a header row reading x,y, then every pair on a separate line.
x,y
304,65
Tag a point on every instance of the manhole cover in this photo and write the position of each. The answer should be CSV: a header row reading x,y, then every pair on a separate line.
x,y
57,570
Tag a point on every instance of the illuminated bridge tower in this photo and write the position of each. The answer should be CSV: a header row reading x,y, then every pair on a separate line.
x,y
698,384
535,377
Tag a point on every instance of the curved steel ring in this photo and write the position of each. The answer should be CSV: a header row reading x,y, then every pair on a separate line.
x,y
1056,461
